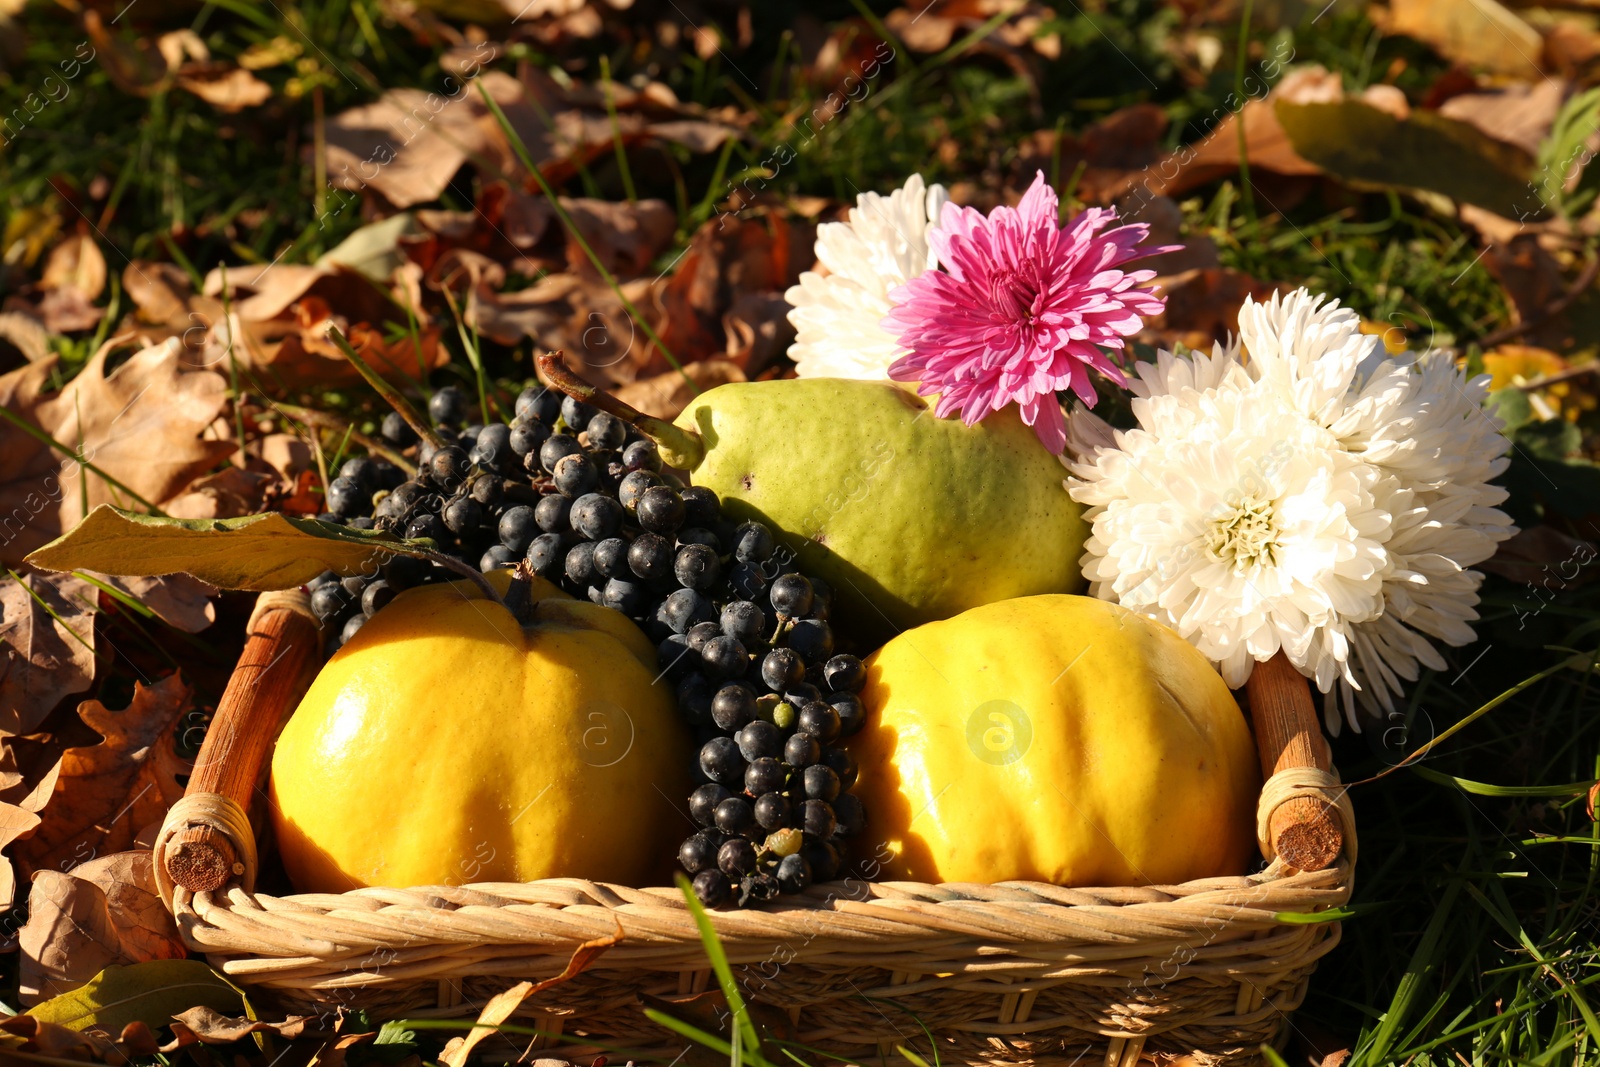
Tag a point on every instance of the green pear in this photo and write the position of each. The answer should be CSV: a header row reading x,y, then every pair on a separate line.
x,y
909,517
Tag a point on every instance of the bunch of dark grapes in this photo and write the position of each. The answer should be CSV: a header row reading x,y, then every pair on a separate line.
x,y
583,498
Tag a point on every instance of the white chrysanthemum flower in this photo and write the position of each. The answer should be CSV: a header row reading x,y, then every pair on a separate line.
x,y
837,316
1237,521
1308,493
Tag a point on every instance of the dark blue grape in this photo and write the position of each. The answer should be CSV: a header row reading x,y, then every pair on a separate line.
x,y
817,819
606,431
698,853
596,516
764,775
747,581
347,497
428,525
819,720
724,658
781,669
449,466
527,438
575,475
794,874
397,431
650,557
497,557
546,554
633,487
801,750
772,811
734,816
812,639
557,448
736,857
448,407
329,601
821,782
741,619
699,535
579,564
696,567
375,597
630,598
822,857
704,800
492,450
660,510
752,543
852,714
462,515
552,514
722,763
576,413
684,609
517,528
611,558
759,738
700,507
733,706
642,456
844,674
711,888
791,595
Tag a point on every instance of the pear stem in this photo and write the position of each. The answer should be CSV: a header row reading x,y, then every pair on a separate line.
x,y
680,448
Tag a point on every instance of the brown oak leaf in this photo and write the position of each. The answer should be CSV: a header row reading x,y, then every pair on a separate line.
x,y
142,423
46,644
20,801
211,1027
107,792
104,912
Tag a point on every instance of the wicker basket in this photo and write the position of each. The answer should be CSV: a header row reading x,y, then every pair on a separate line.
x,y
1018,972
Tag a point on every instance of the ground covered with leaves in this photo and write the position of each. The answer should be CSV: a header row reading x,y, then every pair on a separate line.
x,y
457,184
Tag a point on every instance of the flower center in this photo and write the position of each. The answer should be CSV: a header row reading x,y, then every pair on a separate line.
x,y
1014,296
1245,535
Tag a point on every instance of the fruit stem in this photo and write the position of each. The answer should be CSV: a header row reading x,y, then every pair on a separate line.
x,y
519,600
680,448
418,424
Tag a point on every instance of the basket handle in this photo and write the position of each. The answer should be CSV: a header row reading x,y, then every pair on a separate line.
x,y
1302,806
206,839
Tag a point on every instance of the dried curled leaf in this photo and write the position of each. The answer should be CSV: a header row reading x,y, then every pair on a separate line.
x,y
102,913
46,645
106,793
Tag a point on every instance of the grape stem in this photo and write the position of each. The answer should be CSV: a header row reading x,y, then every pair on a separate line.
x,y
472,574
390,394
680,448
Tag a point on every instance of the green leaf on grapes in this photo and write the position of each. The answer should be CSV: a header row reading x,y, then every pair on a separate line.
x,y
257,552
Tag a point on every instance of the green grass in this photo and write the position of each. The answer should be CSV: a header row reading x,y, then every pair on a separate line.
x,y
1474,935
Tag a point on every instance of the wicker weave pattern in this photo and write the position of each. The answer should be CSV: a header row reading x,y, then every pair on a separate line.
x,y
1002,973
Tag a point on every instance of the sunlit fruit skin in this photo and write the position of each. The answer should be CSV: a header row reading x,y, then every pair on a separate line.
x,y
1058,739
910,518
447,744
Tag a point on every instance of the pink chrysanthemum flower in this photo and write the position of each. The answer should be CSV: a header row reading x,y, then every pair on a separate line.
x,y
1020,308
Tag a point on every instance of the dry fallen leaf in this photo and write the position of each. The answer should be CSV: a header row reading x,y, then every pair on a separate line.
x,y
502,1005
277,332
1518,114
101,913
1479,34
665,395
20,802
30,1035
106,793
46,645
76,263
211,1027
1544,556
142,423
225,88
